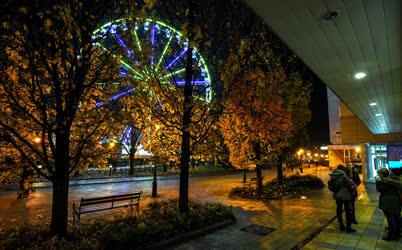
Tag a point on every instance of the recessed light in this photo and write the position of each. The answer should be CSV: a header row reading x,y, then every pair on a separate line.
x,y
373,104
378,114
360,75
330,15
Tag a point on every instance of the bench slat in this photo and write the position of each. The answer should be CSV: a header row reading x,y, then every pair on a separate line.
x,y
109,197
97,202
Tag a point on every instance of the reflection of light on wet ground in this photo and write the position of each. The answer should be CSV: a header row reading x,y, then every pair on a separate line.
x,y
204,189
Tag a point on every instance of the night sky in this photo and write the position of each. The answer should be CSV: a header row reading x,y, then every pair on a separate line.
x,y
319,126
240,20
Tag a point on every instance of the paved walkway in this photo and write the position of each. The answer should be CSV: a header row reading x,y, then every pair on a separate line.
x,y
296,219
370,230
292,220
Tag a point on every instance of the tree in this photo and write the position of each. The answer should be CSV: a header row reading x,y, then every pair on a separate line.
x,y
135,117
259,101
51,76
179,109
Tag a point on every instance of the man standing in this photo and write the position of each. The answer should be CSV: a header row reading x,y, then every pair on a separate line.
x,y
342,188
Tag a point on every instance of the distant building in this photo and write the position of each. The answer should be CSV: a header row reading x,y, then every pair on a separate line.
x,y
352,141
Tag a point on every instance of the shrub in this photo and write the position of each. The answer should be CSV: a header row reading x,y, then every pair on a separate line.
x,y
160,221
293,186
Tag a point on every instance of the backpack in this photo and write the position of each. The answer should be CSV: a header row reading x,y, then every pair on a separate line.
x,y
334,185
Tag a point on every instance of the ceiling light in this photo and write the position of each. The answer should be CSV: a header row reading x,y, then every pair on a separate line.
x,y
360,75
330,15
378,114
373,104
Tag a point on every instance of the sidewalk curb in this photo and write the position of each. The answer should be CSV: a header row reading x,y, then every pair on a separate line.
x,y
148,178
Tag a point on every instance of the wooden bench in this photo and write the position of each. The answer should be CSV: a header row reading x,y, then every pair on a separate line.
x,y
90,205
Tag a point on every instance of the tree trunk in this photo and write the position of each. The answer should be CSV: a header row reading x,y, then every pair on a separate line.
x,y
244,177
186,120
60,183
280,170
133,150
23,186
257,151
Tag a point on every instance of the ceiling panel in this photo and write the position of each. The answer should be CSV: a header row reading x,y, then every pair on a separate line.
x,y
364,37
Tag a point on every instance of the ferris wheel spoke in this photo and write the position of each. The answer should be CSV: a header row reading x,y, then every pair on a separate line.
x,y
163,53
121,94
137,39
175,72
123,44
126,65
152,44
176,58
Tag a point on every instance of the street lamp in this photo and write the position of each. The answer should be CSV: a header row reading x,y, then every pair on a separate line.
x,y
37,139
357,149
316,163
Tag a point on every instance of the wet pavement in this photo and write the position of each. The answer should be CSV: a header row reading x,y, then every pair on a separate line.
x,y
292,220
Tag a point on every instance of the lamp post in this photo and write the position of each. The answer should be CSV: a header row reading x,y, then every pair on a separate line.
x,y
154,184
316,163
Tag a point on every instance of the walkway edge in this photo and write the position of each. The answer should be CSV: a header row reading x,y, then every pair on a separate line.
x,y
191,235
304,242
147,178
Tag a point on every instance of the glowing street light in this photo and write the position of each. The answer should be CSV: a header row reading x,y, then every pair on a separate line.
x,y
357,149
37,139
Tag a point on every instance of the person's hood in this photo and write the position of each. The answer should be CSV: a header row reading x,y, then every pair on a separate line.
x,y
337,172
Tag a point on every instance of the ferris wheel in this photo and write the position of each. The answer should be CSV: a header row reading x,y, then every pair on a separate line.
x,y
165,48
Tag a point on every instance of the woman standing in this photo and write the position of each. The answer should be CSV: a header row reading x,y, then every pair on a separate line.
x,y
389,203
352,173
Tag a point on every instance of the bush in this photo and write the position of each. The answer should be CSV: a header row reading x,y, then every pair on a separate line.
x,y
161,221
293,186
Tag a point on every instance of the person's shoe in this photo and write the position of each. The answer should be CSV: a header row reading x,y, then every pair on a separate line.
x,y
389,238
342,228
350,230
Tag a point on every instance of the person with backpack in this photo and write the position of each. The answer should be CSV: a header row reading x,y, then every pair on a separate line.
x,y
342,188
389,202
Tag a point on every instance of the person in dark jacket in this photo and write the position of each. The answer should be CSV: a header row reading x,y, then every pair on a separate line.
x,y
343,197
352,173
389,202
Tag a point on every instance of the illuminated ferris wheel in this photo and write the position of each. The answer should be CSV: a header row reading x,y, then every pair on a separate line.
x,y
164,47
